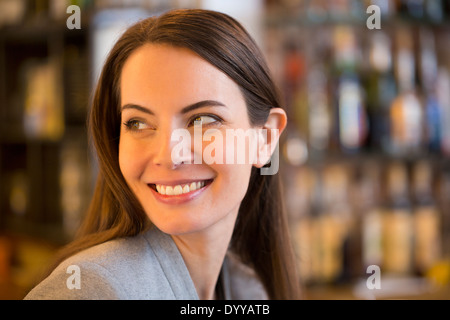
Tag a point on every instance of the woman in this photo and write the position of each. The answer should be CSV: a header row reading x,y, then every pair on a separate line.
x,y
161,226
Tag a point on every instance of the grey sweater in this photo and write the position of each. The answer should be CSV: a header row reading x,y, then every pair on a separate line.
x,y
147,266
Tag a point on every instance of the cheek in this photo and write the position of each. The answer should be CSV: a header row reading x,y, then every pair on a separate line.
x,y
234,180
130,162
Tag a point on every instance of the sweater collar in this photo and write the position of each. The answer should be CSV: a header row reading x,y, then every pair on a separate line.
x,y
170,258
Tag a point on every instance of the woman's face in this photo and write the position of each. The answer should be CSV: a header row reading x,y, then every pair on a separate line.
x,y
165,89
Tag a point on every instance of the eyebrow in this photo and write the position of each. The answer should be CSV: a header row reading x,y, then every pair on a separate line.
x,y
189,108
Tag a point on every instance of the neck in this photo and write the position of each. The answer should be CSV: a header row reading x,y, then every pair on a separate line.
x,y
203,253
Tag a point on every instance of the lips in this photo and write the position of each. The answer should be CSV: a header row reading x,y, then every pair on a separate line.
x,y
170,189
180,192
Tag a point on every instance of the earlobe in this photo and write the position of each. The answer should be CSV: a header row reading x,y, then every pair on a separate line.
x,y
269,136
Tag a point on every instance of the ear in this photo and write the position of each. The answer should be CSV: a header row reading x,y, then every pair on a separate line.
x,y
269,136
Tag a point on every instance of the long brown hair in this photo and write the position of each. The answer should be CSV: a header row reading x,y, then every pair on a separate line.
x,y
261,235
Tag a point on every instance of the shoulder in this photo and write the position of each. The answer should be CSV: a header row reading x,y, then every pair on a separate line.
x,y
80,281
111,270
80,276
241,281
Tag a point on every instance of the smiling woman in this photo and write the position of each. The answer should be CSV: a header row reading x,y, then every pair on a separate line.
x,y
161,227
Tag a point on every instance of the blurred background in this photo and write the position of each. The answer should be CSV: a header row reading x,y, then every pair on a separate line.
x,y
365,157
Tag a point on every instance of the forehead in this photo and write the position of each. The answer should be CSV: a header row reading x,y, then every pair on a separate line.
x,y
164,73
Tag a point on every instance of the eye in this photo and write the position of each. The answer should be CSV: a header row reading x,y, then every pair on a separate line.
x,y
136,125
204,120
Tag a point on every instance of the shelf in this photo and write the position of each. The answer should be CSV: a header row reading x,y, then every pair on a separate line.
x,y
32,162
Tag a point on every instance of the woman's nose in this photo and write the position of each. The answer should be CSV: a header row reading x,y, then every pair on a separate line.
x,y
172,148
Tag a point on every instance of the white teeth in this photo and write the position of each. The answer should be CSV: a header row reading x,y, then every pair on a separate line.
x,y
179,189
161,189
169,191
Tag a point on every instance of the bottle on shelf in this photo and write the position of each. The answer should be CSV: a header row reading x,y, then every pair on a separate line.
x,y
428,77
427,219
406,113
381,89
44,116
443,98
397,222
351,108
305,206
371,215
352,117
319,115
293,73
335,223
316,242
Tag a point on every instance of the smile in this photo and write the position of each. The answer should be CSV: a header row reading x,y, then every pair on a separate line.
x,y
179,189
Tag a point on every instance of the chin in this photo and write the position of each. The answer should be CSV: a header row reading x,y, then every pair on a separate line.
x,y
180,226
